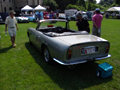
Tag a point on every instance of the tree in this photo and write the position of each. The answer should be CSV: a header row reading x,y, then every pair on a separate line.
x,y
70,6
92,6
89,7
53,5
81,3
106,3
78,4
63,3
91,1
118,2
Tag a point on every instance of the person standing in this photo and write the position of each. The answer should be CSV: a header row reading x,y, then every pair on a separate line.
x,y
11,24
57,14
113,15
81,23
35,15
39,16
97,20
106,15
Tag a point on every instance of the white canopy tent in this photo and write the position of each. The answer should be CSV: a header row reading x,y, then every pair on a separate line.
x,y
113,9
40,8
27,7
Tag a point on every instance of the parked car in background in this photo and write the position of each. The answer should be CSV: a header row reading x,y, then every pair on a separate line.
x,y
84,15
71,12
3,16
74,18
30,17
63,16
22,19
89,15
1,20
46,16
57,42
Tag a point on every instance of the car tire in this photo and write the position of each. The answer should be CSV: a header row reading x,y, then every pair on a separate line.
x,y
46,55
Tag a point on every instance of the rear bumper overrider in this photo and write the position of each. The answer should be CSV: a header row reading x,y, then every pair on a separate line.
x,y
78,62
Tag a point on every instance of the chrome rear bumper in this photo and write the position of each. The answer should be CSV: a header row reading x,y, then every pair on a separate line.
x,y
78,62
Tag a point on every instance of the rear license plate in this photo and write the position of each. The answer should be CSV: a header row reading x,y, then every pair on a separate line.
x,y
90,50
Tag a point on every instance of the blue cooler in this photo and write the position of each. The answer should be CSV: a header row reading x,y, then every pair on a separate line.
x,y
104,70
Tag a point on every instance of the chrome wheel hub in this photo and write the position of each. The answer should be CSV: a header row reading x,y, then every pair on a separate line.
x,y
46,55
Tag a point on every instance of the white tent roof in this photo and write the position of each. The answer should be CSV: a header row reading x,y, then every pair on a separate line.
x,y
114,9
39,8
27,8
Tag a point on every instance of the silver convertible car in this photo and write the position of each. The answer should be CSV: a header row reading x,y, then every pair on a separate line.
x,y
58,42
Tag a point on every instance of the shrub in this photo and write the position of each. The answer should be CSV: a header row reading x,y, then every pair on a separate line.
x,y
70,6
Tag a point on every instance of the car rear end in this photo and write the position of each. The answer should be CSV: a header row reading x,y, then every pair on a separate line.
x,y
87,51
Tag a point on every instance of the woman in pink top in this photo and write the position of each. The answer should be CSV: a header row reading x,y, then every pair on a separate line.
x,y
97,19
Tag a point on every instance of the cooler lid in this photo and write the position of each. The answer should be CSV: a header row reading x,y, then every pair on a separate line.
x,y
105,66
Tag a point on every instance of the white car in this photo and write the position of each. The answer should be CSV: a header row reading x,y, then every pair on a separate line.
x,y
22,19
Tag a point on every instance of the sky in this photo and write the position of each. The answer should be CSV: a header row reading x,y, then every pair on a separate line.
x,y
97,1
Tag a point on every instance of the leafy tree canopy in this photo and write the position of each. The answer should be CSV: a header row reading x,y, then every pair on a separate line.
x,y
80,4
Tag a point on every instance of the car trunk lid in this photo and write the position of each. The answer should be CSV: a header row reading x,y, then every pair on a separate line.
x,y
86,47
77,39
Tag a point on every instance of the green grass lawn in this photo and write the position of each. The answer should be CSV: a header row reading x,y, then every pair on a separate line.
x,y
23,67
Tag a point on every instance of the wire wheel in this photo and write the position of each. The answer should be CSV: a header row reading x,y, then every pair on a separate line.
x,y
47,56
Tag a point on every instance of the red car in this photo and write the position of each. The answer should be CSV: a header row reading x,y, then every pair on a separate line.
x,y
45,15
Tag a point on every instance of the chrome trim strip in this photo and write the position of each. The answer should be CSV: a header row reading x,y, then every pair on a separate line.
x,y
78,62
103,57
71,63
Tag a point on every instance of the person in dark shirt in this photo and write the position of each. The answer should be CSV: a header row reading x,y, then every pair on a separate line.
x,y
81,23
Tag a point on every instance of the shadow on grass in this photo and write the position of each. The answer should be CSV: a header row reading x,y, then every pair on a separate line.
x,y
4,50
83,76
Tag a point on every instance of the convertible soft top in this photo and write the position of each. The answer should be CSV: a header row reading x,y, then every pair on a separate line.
x,y
53,34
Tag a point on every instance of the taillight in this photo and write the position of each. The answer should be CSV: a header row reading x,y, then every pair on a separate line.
x,y
107,50
69,55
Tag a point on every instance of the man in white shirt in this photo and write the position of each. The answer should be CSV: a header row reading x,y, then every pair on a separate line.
x,y
11,23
